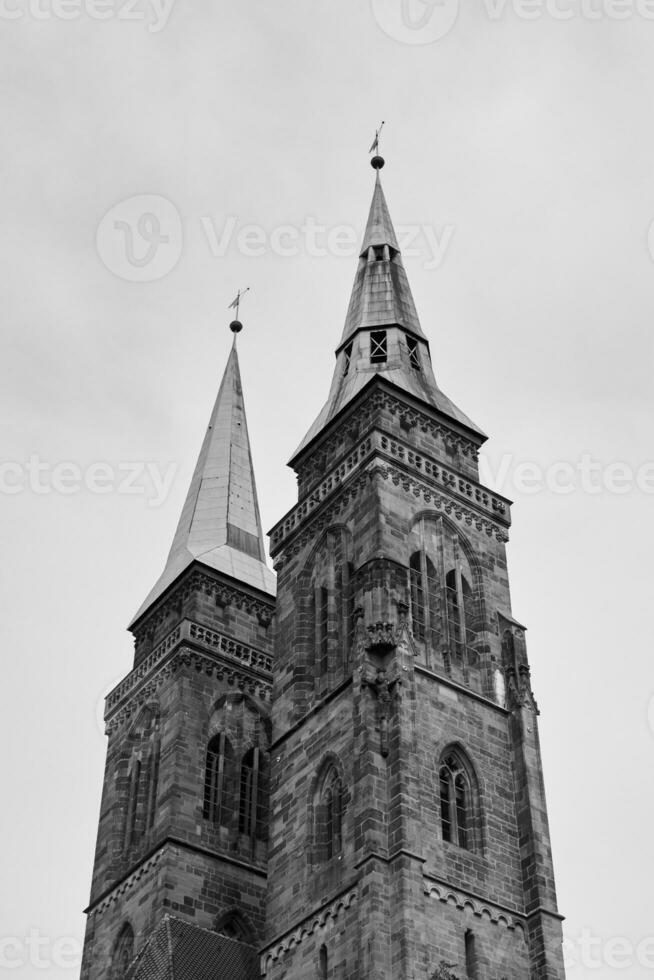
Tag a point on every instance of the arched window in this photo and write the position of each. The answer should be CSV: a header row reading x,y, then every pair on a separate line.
x,y
123,953
331,608
233,925
424,598
143,777
253,794
460,613
329,809
323,963
456,802
322,638
219,781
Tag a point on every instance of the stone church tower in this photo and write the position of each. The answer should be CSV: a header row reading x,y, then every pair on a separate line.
x,y
343,780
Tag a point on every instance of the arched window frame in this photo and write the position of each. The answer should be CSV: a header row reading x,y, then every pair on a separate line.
x,y
425,588
234,925
331,605
218,799
142,768
253,794
459,799
123,952
328,812
461,615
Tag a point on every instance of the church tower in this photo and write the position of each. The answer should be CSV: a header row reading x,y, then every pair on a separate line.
x,y
335,775
408,829
179,874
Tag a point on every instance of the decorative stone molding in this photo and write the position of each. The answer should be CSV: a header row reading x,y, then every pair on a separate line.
x,y
313,529
334,480
519,688
306,928
313,468
483,910
208,664
451,507
225,646
380,636
127,884
223,594
475,492
498,510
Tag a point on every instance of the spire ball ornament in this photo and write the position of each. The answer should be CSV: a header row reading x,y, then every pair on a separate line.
x,y
377,162
236,326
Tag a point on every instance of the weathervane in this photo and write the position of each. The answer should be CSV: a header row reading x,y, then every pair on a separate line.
x,y
377,161
236,326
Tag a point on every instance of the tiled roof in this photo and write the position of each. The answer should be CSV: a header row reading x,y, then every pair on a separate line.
x,y
177,950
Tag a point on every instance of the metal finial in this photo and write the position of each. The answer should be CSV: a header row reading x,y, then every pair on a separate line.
x,y
236,326
377,161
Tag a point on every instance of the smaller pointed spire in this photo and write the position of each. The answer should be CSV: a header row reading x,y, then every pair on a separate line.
x,y
379,229
220,524
382,335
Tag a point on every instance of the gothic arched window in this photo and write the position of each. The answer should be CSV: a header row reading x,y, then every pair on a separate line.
x,y
219,781
253,794
424,597
458,805
460,612
233,925
143,777
329,808
331,608
123,953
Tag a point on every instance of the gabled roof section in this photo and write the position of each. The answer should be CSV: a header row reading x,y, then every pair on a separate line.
x,y
381,300
177,950
220,524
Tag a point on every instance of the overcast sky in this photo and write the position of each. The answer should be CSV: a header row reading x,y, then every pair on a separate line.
x,y
520,161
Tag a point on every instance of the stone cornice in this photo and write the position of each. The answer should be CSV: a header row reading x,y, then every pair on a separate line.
x,y
357,417
445,893
288,537
126,883
190,644
199,580
307,926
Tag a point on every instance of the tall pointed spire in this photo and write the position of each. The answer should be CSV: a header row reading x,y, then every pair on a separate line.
x,y
220,524
381,306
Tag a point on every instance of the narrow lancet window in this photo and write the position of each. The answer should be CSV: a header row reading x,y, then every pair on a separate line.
x,y
455,802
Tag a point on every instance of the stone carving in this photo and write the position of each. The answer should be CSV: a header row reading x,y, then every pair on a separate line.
x,y
519,688
382,686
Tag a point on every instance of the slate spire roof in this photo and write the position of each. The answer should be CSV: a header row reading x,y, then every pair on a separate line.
x,y
381,300
220,524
